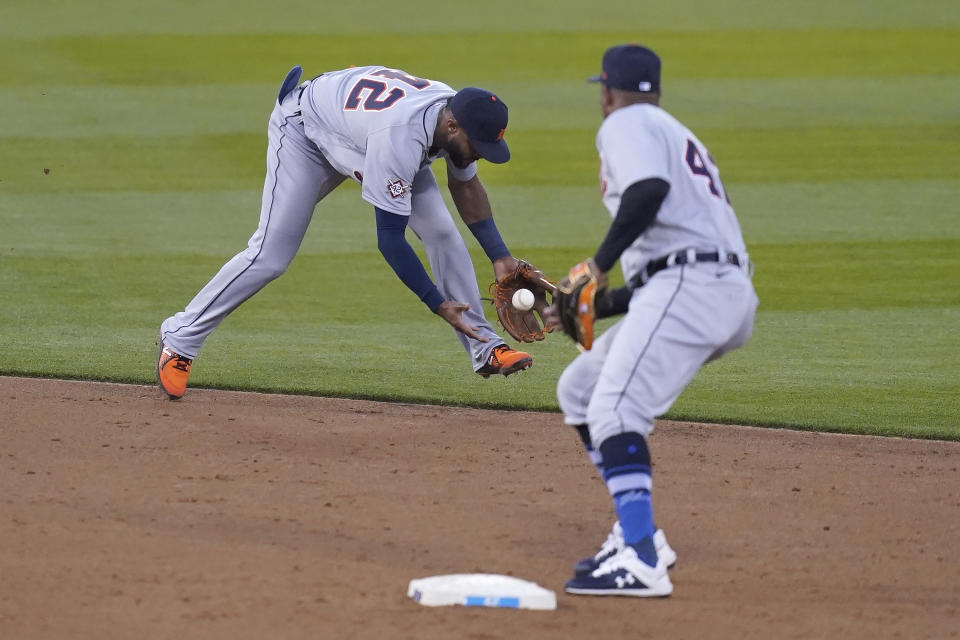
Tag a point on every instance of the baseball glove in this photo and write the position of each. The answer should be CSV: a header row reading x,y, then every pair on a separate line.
x,y
522,325
575,301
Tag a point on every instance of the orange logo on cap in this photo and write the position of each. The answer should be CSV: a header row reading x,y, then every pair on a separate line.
x,y
500,135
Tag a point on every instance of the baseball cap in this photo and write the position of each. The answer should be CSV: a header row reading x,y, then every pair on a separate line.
x,y
483,116
630,67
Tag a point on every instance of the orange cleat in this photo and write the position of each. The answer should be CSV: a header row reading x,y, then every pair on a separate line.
x,y
505,360
172,371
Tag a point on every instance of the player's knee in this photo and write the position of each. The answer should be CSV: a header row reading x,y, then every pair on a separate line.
x,y
272,269
608,424
628,449
443,237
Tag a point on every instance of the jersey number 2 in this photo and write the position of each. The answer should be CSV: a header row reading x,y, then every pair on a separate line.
x,y
376,89
699,167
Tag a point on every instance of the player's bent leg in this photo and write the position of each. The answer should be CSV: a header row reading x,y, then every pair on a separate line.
x,y
747,299
574,388
675,322
298,176
578,381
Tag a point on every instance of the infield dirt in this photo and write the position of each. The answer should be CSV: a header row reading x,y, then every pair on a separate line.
x,y
242,515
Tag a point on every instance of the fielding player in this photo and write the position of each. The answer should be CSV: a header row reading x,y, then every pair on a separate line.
x,y
689,300
382,128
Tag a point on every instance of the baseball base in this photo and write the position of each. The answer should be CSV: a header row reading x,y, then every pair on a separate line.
x,y
481,590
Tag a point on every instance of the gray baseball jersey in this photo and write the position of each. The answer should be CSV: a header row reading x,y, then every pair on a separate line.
x,y
376,126
644,141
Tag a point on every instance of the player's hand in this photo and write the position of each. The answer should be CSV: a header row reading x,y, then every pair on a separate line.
x,y
551,317
575,301
451,311
503,267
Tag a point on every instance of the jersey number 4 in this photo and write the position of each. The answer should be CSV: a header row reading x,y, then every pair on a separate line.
x,y
699,167
373,101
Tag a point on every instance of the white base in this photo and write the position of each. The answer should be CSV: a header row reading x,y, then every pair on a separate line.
x,y
481,590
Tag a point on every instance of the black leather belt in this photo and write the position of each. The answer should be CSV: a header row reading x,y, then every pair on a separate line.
x,y
687,256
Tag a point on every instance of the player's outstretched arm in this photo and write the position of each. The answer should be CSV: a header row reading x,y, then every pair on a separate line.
x,y
470,198
472,203
510,274
403,259
405,263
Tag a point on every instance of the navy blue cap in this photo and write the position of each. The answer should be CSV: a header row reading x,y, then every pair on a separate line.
x,y
630,67
483,116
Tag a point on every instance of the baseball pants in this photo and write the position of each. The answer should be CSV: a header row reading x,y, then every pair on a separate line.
x,y
682,318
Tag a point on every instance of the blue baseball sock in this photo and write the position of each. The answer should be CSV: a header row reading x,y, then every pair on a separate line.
x,y
626,470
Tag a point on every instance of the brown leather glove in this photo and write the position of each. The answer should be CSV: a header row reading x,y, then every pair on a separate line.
x,y
575,301
522,325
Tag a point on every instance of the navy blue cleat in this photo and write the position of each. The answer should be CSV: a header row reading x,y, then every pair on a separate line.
x,y
623,574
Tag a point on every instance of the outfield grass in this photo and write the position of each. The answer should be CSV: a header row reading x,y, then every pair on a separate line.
x,y
836,129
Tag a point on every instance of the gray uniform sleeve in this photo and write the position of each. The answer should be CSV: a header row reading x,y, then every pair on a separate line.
x,y
632,153
392,159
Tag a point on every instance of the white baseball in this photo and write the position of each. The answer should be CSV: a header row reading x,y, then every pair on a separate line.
x,y
523,299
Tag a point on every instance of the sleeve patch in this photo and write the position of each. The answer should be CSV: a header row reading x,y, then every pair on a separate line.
x,y
396,188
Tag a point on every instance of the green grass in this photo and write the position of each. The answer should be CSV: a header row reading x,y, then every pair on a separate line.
x,y
825,367
835,125
125,59
69,17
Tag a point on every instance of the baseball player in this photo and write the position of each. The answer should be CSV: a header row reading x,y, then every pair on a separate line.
x,y
382,128
689,300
